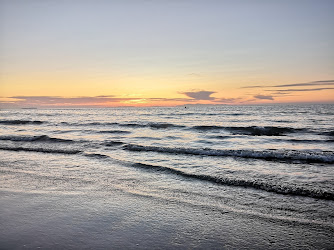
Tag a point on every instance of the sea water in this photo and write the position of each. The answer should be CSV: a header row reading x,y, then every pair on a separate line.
x,y
251,164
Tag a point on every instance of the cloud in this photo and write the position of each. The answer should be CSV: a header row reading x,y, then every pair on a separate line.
x,y
103,96
285,90
300,90
194,75
55,100
191,97
59,101
83,101
264,97
314,83
200,95
227,100
253,87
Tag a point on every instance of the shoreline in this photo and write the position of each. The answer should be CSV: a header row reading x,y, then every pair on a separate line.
x,y
120,220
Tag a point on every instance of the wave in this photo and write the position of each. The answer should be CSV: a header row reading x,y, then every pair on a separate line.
x,y
213,114
282,121
252,130
96,155
207,127
90,124
173,137
114,132
20,122
200,114
187,114
113,143
41,138
328,133
164,125
153,125
149,138
41,150
219,136
272,155
279,189
308,141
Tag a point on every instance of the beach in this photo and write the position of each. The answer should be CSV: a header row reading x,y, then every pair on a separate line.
x,y
50,221
218,177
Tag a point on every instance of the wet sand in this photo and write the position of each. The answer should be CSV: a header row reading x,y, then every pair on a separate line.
x,y
119,220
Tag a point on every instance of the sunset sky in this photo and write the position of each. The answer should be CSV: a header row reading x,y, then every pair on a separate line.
x,y
165,52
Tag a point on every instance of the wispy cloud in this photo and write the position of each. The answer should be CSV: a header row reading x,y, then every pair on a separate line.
x,y
227,100
300,90
253,87
84,101
275,92
314,83
54,100
103,96
200,95
264,97
194,75
194,97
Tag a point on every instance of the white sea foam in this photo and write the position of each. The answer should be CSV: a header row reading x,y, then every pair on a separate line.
x,y
286,155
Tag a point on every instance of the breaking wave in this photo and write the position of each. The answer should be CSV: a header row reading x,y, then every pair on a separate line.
x,y
207,127
308,141
41,150
258,131
96,155
279,189
252,130
329,133
153,125
90,124
273,155
214,114
20,122
113,143
114,132
41,138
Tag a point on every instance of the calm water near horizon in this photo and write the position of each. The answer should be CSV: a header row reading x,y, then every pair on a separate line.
x,y
265,163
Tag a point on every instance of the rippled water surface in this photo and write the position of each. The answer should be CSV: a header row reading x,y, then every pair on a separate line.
x,y
268,162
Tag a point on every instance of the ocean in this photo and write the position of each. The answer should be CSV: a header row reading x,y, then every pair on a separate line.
x,y
219,177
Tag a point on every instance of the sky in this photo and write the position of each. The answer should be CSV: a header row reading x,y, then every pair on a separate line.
x,y
101,53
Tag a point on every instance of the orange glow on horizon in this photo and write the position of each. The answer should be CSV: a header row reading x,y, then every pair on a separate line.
x,y
68,89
